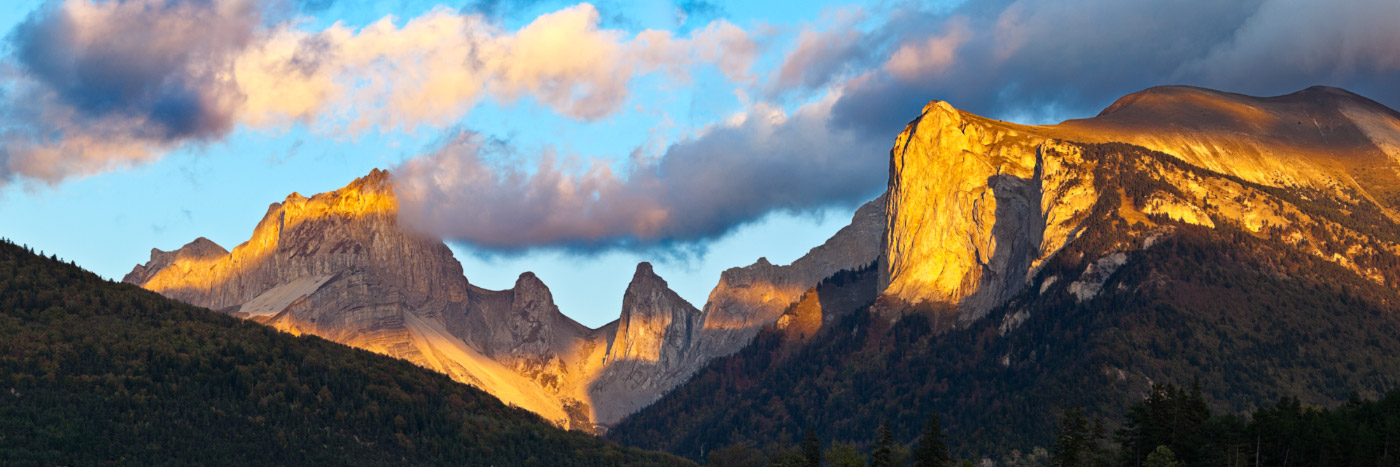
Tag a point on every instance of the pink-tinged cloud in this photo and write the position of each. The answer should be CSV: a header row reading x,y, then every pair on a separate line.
x,y
931,56
146,76
818,57
474,190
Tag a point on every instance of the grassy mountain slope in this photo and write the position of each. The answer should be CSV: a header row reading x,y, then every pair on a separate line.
x,y
1255,317
95,372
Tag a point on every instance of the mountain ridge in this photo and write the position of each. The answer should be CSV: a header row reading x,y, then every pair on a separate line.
x,y
338,265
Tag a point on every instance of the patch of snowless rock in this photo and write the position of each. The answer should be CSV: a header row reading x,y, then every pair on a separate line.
x,y
1091,282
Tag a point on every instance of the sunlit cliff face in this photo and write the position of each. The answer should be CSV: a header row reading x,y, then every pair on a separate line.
x,y
200,270
976,205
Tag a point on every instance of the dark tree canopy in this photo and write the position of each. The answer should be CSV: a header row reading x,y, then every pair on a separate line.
x,y
94,372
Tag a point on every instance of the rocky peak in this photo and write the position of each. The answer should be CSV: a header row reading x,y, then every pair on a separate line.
x,y
976,205
656,323
647,354
961,212
201,248
533,317
198,251
352,228
753,296
529,289
645,282
649,305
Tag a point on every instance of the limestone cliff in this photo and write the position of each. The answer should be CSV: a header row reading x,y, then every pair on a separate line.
x,y
976,205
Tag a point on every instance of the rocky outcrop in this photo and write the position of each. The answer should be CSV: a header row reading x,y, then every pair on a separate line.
x,y
200,251
524,330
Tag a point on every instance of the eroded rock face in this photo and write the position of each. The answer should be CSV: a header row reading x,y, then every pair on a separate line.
x,y
351,228
679,340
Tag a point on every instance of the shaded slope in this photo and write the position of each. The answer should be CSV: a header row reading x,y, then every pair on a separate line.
x,y
97,372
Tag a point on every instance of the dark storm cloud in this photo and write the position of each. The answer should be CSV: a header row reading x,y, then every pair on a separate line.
x,y
94,85
1044,60
155,67
699,189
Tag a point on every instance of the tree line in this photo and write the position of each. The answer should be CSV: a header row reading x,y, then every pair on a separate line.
x,y
1174,427
1171,427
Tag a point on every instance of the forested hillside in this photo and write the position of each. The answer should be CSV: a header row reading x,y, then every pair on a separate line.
x,y
1255,319
95,372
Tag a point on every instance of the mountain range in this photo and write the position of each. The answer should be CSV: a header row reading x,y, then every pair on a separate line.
x,y
337,265
1014,260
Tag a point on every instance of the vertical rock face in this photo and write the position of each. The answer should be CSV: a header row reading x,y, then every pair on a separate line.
x,y
973,206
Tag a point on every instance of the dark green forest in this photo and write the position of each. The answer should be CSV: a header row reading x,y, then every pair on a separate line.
x,y
1172,427
1255,320
94,372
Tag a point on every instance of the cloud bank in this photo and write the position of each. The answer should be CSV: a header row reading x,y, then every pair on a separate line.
x,y
473,190
97,85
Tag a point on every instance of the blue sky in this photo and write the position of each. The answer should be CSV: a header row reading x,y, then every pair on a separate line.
x,y
575,140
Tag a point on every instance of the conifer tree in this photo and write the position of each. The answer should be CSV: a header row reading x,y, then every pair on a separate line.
x,y
812,448
933,449
883,454
1072,439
